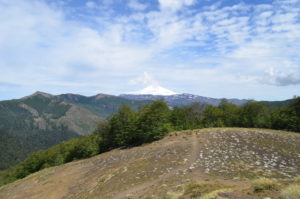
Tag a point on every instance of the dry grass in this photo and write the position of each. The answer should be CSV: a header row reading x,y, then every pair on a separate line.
x,y
172,195
264,184
197,190
291,192
214,194
297,179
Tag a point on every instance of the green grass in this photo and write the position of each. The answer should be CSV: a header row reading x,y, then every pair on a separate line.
x,y
264,184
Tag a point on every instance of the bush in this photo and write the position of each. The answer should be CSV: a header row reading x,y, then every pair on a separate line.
x,y
263,184
291,192
68,151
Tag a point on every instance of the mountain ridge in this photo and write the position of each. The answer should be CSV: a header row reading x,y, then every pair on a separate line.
x,y
184,99
39,121
191,98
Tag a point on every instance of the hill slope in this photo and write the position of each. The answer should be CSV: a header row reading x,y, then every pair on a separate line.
x,y
184,163
13,149
38,122
102,105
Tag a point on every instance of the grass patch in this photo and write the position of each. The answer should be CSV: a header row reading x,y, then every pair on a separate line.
x,y
198,190
172,195
264,184
297,179
290,192
214,194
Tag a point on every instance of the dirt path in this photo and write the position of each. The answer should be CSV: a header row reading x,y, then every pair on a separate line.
x,y
137,190
195,149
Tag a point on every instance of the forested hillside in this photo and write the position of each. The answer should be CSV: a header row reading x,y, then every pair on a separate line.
x,y
42,120
12,149
102,105
38,122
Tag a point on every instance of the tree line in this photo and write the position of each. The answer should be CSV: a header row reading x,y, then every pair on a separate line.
x,y
154,121
128,128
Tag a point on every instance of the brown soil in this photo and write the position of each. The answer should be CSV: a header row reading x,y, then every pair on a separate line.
x,y
225,158
138,190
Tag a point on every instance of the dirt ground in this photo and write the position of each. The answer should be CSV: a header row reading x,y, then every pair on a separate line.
x,y
185,164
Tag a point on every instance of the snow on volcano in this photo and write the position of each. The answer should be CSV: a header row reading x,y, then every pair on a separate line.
x,y
154,90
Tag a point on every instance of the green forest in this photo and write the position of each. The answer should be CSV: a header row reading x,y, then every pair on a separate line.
x,y
128,128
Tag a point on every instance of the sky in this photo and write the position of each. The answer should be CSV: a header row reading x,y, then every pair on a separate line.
x,y
246,49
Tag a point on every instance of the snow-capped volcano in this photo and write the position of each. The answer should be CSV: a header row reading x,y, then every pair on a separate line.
x,y
152,86
154,90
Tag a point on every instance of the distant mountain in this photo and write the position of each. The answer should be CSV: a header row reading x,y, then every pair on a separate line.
x,y
102,105
183,99
42,120
44,111
38,122
154,90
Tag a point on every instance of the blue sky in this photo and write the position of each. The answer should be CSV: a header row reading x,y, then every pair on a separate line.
x,y
230,48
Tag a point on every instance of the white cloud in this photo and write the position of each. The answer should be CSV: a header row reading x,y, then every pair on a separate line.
x,y
40,46
146,79
175,5
231,46
282,78
136,5
91,4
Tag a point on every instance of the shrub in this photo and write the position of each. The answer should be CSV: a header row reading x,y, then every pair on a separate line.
x,y
291,192
68,151
263,184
